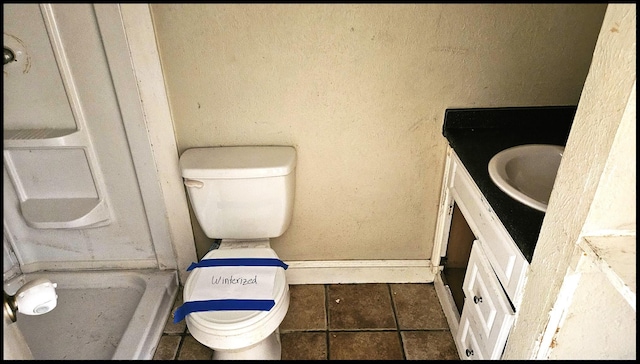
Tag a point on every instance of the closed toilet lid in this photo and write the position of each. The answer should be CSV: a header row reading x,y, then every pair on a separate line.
x,y
234,320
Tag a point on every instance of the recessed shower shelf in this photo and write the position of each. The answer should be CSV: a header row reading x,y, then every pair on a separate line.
x,y
55,182
64,213
39,138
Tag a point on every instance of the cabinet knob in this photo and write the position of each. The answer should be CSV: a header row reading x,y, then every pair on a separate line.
x,y
477,299
469,352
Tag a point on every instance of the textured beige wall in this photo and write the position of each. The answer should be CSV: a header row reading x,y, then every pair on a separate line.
x,y
360,91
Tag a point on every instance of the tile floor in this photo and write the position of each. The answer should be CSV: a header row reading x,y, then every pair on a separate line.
x,y
345,321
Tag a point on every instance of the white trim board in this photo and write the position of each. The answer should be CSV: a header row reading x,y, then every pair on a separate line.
x,y
448,305
359,271
145,58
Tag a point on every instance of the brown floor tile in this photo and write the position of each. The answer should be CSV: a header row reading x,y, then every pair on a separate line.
x,y
304,345
193,350
365,345
360,306
306,309
167,347
418,307
429,345
357,307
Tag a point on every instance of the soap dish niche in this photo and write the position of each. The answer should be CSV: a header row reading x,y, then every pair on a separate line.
x,y
56,188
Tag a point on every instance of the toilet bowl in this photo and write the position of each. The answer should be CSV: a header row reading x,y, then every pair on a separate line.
x,y
243,196
241,334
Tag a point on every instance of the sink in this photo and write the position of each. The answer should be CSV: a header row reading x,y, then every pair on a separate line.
x,y
527,172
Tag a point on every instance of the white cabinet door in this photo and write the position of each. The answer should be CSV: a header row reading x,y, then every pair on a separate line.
x,y
486,305
467,341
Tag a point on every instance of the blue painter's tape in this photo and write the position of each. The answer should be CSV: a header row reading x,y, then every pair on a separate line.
x,y
221,305
245,262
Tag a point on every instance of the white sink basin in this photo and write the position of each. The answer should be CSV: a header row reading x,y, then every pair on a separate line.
x,y
527,172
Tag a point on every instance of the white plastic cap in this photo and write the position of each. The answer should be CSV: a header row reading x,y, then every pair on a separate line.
x,y
36,297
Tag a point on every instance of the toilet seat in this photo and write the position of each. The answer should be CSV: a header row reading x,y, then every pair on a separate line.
x,y
228,330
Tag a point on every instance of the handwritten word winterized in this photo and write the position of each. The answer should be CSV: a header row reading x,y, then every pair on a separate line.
x,y
242,281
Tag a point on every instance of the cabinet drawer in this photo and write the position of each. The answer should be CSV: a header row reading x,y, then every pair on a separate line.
x,y
508,262
486,304
468,347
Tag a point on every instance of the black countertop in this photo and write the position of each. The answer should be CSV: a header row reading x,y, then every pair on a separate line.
x,y
476,135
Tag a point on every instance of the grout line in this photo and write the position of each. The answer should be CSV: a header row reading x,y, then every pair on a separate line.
x,y
179,347
326,314
184,331
394,309
367,330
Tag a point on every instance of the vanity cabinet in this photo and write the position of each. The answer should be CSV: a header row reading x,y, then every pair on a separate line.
x,y
495,273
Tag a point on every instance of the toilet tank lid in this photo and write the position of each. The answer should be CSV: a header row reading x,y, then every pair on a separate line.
x,y
237,162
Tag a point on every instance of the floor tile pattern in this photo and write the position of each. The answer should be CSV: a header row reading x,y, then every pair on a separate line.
x,y
374,321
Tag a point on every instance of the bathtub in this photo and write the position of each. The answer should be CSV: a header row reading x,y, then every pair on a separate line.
x,y
99,314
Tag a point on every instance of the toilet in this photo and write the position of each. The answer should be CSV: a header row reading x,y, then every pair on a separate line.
x,y
242,195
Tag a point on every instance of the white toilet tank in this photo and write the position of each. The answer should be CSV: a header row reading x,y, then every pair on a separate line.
x,y
243,192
